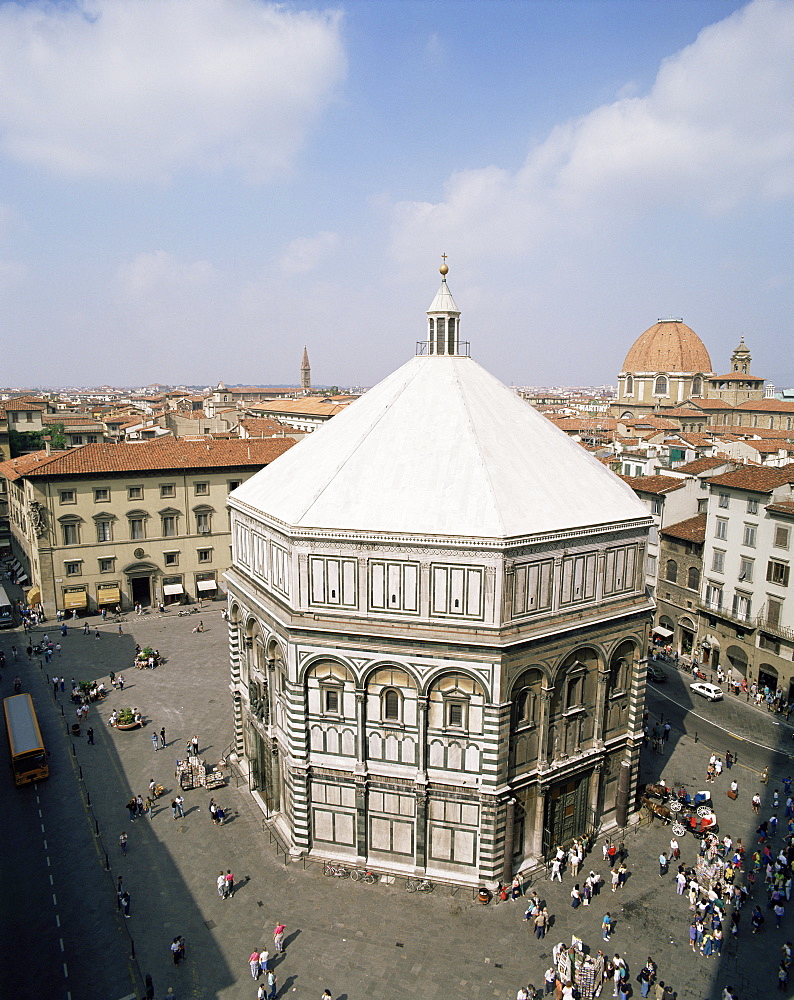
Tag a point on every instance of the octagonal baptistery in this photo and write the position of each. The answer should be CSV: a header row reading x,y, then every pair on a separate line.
x,y
437,612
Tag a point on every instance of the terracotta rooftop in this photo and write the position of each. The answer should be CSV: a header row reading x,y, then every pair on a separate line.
x,y
700,465
264,426
21,404
653,484
736,376
712,404
782,507
309,405
168,453
683,411
15,468
760,479
691,530
768,405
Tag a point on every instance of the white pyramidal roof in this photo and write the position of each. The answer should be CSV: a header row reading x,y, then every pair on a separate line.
x,y
440,447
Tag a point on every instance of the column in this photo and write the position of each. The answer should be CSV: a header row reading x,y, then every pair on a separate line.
x,y
420,853
361,818
422,707
544,724
361,731
600,710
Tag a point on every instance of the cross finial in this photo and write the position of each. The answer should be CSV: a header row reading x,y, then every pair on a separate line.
x,y
444,269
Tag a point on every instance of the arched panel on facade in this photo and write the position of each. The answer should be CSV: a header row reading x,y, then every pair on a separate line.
x,y
525,718
623,664
330,691
456,702
573,702
391,697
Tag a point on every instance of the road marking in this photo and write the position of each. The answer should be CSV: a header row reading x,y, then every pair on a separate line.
x,y
45,845
40,816
48,860
61,943
711,722
42,828
51,881
65,971
54,900
57,920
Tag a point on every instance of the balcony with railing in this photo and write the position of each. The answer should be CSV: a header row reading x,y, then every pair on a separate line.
x,y
731,614
773,626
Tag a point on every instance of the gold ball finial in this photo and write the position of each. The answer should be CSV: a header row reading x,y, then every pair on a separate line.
x,y
444,270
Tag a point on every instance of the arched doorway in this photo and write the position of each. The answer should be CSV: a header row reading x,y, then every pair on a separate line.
x,y
737,658
767,677
687,632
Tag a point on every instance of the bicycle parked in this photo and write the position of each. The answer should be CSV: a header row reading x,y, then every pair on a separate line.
x,y
418,885
363,875
336,870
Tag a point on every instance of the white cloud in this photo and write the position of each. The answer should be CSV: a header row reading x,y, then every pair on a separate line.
x,y
714,131
158,273
145,89
306,253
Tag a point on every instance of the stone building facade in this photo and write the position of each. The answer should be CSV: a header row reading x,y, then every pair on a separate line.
x,y
437,617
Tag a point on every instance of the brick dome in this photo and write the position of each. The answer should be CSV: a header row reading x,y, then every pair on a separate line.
x,y
668,346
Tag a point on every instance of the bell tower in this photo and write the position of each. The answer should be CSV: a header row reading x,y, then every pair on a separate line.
x,y
741,358
306,371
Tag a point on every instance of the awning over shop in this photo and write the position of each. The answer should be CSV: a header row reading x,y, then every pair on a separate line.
x,y
206,585
665,633
173,588
33,596
75,599
108,595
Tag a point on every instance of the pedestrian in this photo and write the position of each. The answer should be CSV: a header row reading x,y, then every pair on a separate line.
x,y
782,976
555,869
229,883
121,630
646,978
175,950
180,806
96,633
756,919
220,882
90,735
765,776
139,805
154,742
112,676
278,937
173,809
125,902
775,799
55,687
58,648
261,993
147,806
220,815
663,864
272,983
214,812
680,883
123,842
326,995
63,684
550,980
780,912
132,806
675,850
540,922
162,738
14,651
253,964
195,745
606,927
756,803
120,682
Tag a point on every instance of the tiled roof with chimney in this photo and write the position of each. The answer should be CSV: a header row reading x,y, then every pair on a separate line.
x,y
758,478
691,530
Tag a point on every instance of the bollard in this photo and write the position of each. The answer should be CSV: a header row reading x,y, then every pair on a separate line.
x,y
696,737
107,859
132,946
81,772
88,797
74,752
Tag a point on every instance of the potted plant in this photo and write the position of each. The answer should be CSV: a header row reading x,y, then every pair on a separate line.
x,y
129,718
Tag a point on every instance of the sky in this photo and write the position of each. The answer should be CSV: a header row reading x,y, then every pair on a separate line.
x,y
193,190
